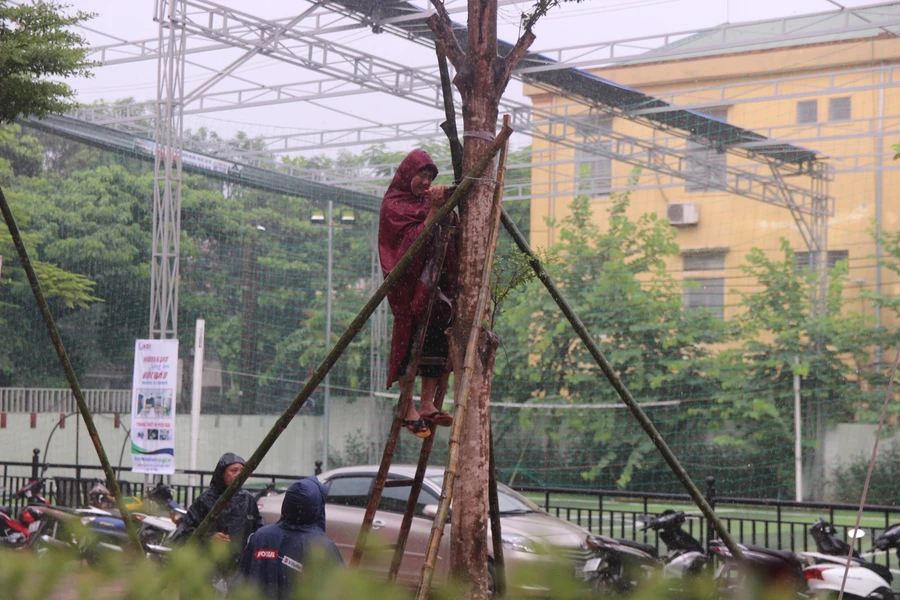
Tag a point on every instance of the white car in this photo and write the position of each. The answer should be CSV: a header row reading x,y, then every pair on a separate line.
x,y
531,537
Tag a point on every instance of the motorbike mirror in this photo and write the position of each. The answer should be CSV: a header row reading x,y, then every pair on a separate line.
x,y
855,533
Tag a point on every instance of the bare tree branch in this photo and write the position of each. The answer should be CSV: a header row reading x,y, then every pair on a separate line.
x,y
515,55
442,27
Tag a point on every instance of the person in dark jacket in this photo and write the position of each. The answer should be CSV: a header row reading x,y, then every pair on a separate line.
x,y
239,519
275,555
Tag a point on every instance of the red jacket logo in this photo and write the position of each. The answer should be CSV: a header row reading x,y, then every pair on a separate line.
x,y
266,554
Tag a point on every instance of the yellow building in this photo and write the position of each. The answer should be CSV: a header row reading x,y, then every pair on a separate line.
x,y
835,92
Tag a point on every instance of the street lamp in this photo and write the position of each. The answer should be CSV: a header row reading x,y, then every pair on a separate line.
x,y
347,217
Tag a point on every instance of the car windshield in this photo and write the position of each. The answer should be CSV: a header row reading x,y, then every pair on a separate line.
x,y
511,502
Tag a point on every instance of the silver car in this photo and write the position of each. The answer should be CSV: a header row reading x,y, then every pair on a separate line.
x,y
531,537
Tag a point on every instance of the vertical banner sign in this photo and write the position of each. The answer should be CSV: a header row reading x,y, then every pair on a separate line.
x,y
153,406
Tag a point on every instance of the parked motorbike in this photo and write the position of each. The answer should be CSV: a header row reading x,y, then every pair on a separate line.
x,y
761,567
23,531
684,556
865,579
619,564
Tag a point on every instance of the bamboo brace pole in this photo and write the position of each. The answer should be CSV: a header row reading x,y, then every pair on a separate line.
x,y
355,326
67,367
617,383
462,399
493,499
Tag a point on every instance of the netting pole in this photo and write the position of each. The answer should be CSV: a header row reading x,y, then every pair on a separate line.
x,y
67,368
355,326
617,384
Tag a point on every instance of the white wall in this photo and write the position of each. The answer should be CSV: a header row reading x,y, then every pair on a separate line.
x,y
294,453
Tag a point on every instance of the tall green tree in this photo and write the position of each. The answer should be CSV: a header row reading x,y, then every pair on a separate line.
x,y
779,335
37,48
616,280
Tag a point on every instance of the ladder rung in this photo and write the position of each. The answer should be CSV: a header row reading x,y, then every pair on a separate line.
x,y
390,483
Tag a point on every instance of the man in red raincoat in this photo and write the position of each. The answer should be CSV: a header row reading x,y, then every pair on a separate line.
x,y
409,204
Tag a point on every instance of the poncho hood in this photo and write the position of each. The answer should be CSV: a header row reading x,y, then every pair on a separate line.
x,y
303,507
414,162
218,479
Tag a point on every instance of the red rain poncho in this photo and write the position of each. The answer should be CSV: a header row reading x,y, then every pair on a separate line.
x,y
402,220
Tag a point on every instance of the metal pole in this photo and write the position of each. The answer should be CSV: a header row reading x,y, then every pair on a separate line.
x,y
326,413
196,393
879,140
798,445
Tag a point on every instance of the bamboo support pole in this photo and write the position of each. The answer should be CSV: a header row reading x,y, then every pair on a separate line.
x,y
68,369
355,326
462,399
493,500
617,384
406,395
494,514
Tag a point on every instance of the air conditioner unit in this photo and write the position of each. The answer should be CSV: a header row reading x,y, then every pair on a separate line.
x,y
684,213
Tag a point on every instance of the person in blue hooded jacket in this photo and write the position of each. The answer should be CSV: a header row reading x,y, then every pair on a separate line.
x,y
275,555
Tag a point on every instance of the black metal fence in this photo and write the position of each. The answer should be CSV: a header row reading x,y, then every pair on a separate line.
x,y
772,523
72,489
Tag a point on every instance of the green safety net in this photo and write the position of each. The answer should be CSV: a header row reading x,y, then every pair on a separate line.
x,y
254,256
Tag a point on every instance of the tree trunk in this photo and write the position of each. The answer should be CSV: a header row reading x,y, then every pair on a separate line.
x,y
481,77
476,84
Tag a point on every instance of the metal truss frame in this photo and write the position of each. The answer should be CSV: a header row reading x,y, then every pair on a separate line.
x,y
167,172
133,118
300,41
421,86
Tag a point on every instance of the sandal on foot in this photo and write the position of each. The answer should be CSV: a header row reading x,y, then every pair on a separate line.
x,y
440,418
417,427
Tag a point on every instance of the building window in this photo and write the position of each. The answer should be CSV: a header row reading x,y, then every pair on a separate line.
x,y
803,260
707,294
593,170
808,111
710,164
704,260
839,109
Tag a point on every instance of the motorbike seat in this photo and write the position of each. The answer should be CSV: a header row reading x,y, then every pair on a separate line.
x,y
783,555
649,549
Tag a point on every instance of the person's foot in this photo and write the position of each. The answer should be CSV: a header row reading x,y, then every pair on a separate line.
x,y
417,427
438,417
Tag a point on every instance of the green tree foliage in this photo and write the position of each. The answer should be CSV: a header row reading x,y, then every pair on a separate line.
x,y
261,291
616,281
779,334
35,46
68,291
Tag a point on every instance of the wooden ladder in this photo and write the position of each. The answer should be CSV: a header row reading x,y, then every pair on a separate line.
x,y
406,397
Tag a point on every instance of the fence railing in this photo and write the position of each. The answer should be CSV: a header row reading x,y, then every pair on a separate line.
x,y
39,400
72,489
772,523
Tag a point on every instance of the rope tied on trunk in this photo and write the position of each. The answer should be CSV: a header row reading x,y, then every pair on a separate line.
x,y
485,135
